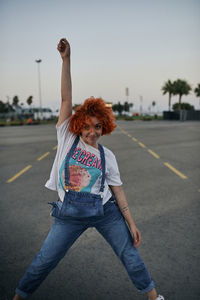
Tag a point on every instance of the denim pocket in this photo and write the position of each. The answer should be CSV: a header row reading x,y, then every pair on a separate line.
x,y
55,210
81,205
73,208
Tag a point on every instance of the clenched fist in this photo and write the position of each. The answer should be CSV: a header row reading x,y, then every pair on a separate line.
x,y
64,48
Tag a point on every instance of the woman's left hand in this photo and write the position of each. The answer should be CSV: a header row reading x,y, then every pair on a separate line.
x,y
136,235
64,48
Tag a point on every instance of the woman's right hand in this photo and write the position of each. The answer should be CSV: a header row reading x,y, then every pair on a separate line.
x,y
64,48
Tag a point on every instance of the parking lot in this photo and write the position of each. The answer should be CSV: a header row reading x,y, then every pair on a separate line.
x,y
160,170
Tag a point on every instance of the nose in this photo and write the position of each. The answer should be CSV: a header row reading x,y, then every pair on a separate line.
x,y
92,130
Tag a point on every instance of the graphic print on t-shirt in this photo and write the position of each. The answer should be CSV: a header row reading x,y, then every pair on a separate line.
x,y
84,170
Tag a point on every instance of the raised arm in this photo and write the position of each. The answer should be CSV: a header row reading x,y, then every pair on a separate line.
x,y
66,85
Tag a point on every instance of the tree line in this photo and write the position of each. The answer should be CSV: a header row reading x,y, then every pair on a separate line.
x,y
7,107
179,87
116,107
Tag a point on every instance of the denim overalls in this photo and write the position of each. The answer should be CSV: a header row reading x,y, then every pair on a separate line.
x,y
80,204
66,230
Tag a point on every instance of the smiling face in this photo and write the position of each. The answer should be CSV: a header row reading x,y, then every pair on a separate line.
x,y
92,131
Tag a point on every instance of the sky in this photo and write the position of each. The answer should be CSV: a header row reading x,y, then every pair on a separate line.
x,y
115,44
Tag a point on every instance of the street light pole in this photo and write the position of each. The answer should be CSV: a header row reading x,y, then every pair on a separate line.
x,y
127,93
141,108
38,61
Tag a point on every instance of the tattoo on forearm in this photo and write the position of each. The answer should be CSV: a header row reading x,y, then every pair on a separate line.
x,y
125,208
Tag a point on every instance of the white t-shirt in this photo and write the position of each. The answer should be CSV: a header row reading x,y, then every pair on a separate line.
x,y
84,166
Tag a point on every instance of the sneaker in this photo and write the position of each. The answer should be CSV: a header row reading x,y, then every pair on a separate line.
x,y
160,297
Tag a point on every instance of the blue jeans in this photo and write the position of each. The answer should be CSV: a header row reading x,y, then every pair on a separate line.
x,y
64,233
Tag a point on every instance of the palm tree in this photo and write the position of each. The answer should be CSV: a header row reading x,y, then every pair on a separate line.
x,y
197,91
15,101
153,103
118,107
127,106
181,87
168,87
29,100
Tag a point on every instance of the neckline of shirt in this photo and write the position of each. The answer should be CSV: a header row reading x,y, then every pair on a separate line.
x,y
97,150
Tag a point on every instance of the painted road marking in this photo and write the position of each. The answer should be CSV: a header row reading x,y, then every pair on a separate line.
x,y
175,170
142,145
54,148
43,156
153,153
26,169
156,156
122,131
19,174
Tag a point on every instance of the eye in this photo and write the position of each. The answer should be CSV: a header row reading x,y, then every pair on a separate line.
x,y
86,127
98,126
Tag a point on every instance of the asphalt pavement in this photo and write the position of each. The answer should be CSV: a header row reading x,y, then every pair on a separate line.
x,y
160,169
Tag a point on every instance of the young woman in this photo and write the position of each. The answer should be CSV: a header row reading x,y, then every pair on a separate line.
x,y
87,179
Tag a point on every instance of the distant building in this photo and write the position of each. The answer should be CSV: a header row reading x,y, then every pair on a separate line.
x,y
40,113
35,112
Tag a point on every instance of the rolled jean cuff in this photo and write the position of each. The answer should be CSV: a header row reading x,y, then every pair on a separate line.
x,y
22,294
148,289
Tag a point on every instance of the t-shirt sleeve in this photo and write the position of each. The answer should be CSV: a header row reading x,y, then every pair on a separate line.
x,y
63,132
112,170
63,135
52,181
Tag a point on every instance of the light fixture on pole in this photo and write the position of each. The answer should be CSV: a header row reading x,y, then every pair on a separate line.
x,y
141,108
38,61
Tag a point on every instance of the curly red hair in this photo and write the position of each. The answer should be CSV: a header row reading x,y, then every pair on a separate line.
x,y
92,107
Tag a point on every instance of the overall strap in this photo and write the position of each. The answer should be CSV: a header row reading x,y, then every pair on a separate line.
x,y
103,166
69,154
